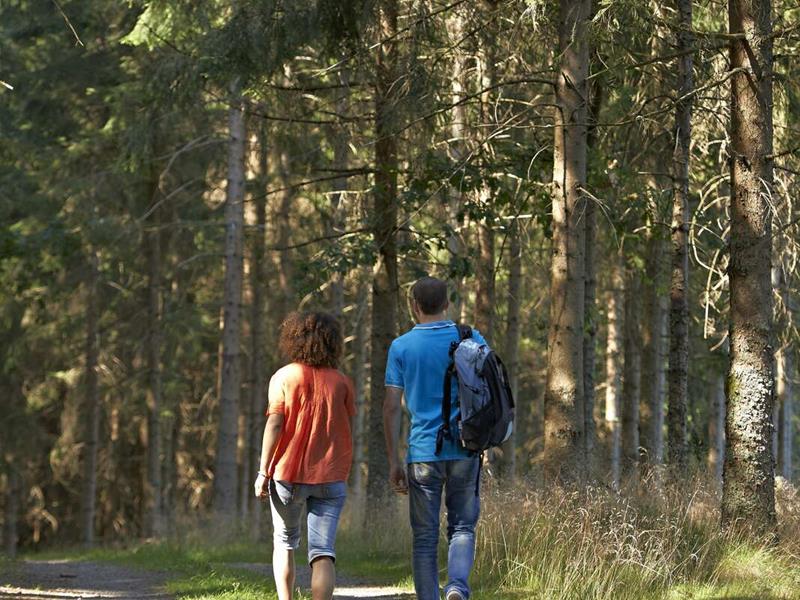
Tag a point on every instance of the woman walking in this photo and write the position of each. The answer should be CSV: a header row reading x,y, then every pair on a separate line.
x,y
307,449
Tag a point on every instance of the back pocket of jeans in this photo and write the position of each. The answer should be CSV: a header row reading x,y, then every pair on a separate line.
x,y
284,491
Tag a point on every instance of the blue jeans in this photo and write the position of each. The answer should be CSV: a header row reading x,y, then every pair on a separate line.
x,y
459,480
324,502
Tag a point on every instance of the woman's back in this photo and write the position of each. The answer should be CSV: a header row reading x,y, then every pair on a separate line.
x,y
317,404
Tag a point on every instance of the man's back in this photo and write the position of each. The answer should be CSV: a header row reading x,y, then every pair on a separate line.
x,y
417,363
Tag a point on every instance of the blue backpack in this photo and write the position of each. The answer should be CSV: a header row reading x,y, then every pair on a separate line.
x,y
485,401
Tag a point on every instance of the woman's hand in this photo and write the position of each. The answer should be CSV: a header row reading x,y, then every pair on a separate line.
x,y
398,479
261,486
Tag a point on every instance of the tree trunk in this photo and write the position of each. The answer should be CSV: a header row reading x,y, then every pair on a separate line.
x,y
785,394
484,277
361,343
154,519
485,267
511,353
225,467
564,397
651,413
340,163
716,429
614,356
384,283
631,387
749,481
258,404
457,148
91,412
589,338
11,516
285,293
679,287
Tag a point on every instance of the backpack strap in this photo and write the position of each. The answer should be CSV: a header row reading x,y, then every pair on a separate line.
x,y
464,332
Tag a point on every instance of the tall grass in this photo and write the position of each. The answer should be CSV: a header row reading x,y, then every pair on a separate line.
x,y
552,543
557,543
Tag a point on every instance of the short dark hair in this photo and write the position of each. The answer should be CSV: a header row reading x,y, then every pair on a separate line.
x,y
312,338
430,294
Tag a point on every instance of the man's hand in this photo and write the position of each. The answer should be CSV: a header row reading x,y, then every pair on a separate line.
x,y
398,479
261,486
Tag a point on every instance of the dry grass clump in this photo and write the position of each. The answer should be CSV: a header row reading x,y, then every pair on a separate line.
x,y
560,543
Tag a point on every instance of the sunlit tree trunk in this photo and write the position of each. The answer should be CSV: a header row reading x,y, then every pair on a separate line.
x,y
91,408
679,287
631,386
748,498
457,148
225,467
564,401
716,429
384,222
614,369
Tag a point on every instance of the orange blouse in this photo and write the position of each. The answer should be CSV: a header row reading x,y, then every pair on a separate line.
x,y
316,445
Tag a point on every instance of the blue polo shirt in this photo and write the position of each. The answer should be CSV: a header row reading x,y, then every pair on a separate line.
x,y
416,364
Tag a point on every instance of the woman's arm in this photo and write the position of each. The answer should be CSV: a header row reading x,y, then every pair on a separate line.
x,y
272,433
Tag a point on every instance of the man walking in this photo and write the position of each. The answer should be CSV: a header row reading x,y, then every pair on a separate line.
x,y
416,368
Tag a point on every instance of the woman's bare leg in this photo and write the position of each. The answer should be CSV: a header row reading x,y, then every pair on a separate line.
x,y
323,578
283,570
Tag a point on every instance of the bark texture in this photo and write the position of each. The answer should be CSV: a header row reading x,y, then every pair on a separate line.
x,y
360,358
154,517
511,352
564,394
716,429
458,154
384,283
748,498
589,338
225,467
679,286
651,414
258,402
91,409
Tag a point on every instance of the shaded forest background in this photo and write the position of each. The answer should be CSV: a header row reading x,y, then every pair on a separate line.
x,y
175,177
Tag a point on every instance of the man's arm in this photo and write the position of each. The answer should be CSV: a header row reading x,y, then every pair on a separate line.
x,y
392,413
272,433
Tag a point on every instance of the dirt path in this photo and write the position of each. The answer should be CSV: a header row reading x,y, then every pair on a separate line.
x,y
62,579
29,580
347,587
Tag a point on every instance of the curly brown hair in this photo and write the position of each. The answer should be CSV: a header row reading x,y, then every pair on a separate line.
x,y
312,338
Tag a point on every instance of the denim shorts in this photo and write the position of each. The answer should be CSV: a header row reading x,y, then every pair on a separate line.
x,y
324,502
